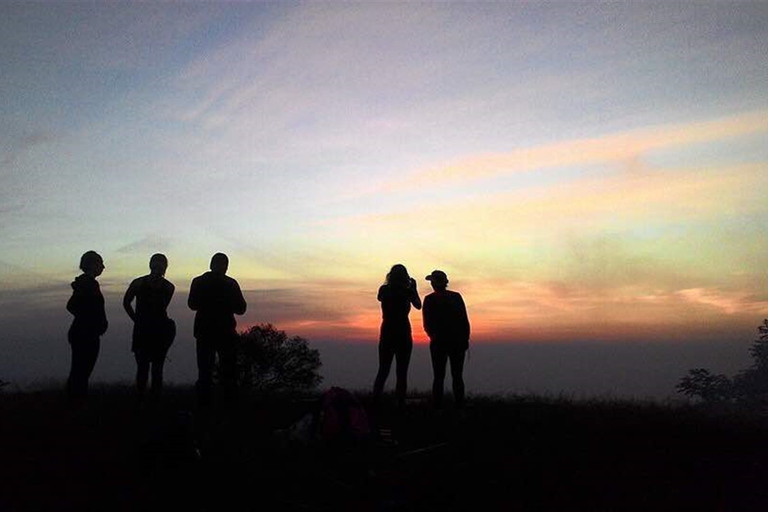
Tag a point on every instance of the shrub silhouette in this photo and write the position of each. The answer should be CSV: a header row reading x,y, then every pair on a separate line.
x,y
748,385
3,384
706,385
268,360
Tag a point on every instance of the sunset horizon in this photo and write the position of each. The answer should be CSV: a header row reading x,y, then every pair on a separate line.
x,y
583,173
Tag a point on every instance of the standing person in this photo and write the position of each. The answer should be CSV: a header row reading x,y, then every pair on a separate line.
x,y
153,331
396,295
447,325
90,322
216,298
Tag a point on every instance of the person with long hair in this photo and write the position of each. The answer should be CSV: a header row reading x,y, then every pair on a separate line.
x,y
87,306
396,295
153,331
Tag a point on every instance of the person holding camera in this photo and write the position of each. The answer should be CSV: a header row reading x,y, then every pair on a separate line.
x,y
396,295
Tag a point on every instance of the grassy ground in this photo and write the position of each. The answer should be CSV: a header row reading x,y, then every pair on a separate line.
x,y
517,453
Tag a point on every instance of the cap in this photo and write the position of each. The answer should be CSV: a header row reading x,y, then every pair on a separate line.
x,y
437,276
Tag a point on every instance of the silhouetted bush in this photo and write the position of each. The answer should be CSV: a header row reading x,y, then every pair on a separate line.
x,y
748,385
268,360
706,385
3,384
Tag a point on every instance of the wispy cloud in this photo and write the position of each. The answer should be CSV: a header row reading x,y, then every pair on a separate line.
x,y
148,244
22,145
329,309
726,302
621,148
621,202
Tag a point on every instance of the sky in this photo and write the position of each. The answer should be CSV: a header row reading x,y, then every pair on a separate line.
x,y
591,176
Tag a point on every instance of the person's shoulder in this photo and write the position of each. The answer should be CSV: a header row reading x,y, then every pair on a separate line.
x,y
136,284
165,284
231,280
206,276
85,282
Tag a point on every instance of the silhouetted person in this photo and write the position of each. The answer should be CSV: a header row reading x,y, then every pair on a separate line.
x,y
217,299
447,325
87,305
153,331
396,295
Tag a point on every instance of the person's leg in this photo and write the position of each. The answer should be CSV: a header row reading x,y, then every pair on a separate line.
x,y
74,382
158,360
402,360
85,351
457,376
227,363
142,371
206,357
386,355
93,355
439,359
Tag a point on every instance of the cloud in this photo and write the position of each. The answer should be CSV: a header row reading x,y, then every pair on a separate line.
x,y
324,80
729,303
327,309
22,145
147,244
620,148
622,203
37,301
511,309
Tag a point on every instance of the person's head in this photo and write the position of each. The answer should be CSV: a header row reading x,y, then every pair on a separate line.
x,y
439,280
219,263
398,276
91,263
158,264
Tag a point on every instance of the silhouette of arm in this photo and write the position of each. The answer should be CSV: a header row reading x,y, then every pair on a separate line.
x,y
238,305
81,298
193,301
463,318
169,293
72,303
415,299
427,316
380,295
130,294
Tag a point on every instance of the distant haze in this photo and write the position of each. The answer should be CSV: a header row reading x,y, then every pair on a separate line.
x,y
35,354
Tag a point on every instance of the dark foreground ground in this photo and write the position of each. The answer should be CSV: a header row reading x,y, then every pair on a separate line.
x,y
514,454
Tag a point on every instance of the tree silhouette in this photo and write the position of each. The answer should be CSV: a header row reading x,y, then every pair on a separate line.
x,y
268,360
759,349
3,384
706,385
752,383
747,386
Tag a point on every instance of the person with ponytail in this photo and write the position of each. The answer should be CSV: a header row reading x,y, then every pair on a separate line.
x,y
396,295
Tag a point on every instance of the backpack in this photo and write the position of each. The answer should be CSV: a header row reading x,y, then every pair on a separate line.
x,y
342,418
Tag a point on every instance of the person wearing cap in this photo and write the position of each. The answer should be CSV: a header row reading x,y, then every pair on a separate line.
x,y
216,298
447,325
396,295
153,331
